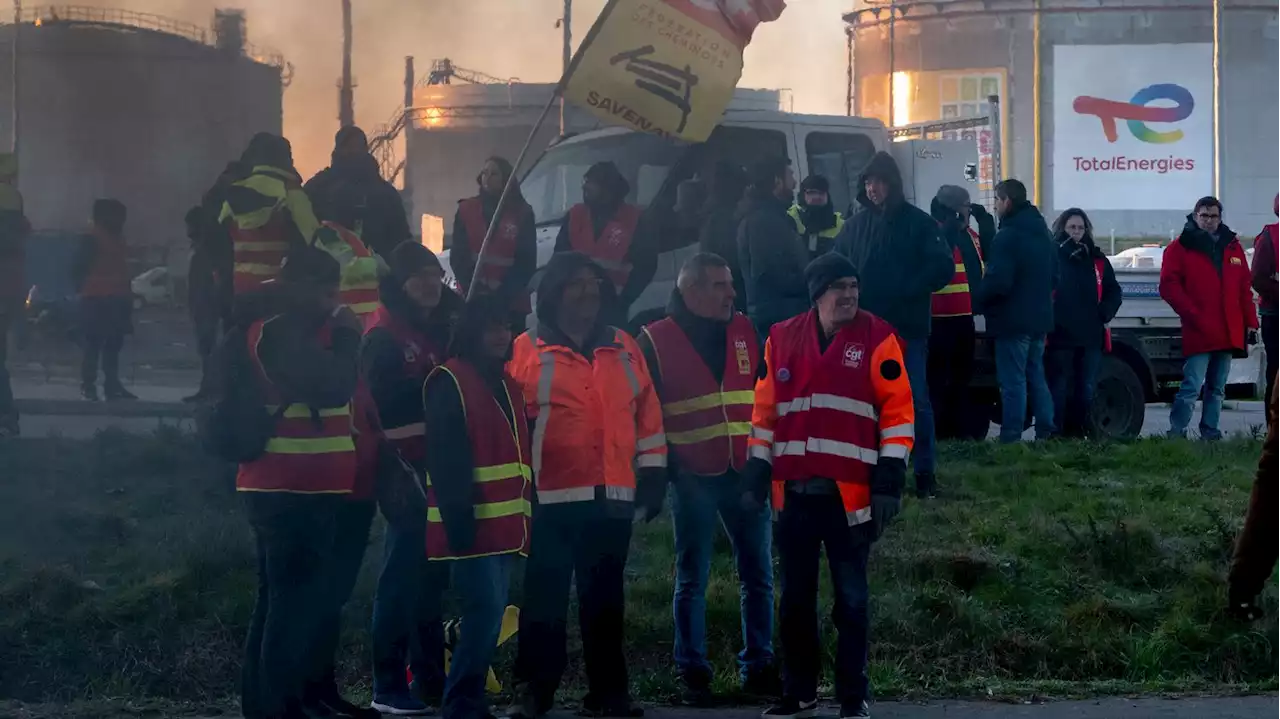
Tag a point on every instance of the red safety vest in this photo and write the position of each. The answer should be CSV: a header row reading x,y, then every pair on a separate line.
x,y
109,274
707,424
611,248
828,424
500,256
311,452
503,478
420,357
956,300
1098,271
257,253
358,284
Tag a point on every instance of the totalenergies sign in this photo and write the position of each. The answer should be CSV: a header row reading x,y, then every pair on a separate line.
x,y
1161,157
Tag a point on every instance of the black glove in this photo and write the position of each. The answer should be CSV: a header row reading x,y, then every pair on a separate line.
x,y
651,492
754,483
883,509
978,211
1251,337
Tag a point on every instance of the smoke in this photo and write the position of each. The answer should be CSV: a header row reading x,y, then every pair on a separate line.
x,y
802,51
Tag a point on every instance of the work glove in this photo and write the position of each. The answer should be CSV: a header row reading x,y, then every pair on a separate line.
x,y
886,492
883,509
978,212
754,484
1251,337
651,492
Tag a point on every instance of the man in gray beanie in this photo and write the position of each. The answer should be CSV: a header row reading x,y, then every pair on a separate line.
x,y
832,427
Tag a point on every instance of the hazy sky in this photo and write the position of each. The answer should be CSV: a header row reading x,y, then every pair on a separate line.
x,y
803,51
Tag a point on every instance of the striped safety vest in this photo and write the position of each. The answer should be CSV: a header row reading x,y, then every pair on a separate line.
x,y
955,300
403,425
312,451
358,286
260,209
611,248
502,480
827,236
500,256
706,423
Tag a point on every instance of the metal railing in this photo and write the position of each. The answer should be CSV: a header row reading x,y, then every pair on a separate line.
x,y
48,14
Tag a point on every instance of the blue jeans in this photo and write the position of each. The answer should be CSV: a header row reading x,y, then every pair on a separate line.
x,y
482,584
1073,377
806,524
407,621
695,504
1208,370
1019,366
916,357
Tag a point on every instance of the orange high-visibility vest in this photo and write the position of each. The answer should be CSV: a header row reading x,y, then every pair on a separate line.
x,y
500,256
611,248
596,420
502,480
706,423
955,300
832,414
311,451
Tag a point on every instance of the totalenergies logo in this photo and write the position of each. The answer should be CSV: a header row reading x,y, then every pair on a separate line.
x,y
1138,113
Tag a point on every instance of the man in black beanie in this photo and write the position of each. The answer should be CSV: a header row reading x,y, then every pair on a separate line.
x,y
832,427
815,216
352,193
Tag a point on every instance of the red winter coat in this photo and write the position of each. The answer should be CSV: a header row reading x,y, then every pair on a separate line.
x,y
1208,284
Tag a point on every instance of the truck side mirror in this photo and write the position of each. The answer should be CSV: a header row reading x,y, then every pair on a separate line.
x,y
971,171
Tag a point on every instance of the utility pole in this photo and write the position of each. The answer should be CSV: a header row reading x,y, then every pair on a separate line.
x,y
13,100
566,55
346,91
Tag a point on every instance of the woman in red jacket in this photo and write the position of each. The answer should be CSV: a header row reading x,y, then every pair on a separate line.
x,y
1205,279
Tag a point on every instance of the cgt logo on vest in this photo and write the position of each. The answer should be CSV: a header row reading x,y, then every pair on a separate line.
x,y
1137,113
853,354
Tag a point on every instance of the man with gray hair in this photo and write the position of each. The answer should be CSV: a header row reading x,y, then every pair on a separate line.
x,y
704,358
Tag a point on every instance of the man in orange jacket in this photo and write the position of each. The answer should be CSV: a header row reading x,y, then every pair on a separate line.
x,y
599,459
833,425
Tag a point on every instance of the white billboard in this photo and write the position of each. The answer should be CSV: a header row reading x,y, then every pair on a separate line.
x,y
1132,126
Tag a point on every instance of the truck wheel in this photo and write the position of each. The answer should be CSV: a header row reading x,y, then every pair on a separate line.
x,y
1119,403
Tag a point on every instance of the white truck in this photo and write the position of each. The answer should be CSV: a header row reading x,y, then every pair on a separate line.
x,y
1146,360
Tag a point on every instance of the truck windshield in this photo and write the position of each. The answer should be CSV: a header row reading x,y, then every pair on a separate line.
x,y
555,183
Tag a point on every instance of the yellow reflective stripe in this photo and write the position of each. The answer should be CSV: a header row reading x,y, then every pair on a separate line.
x,y
494,510
255,268
959,267
503,471
702,434
316,445
363,308
953,289
263,184
302,411
245,246
709,401
250,220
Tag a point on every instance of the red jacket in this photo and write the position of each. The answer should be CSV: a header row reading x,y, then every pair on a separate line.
x,y
1210,292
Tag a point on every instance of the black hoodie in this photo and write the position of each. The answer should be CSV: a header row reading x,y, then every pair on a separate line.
x,y
352,193
900,259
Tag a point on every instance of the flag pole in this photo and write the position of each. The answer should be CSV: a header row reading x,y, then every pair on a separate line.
x,y
542,118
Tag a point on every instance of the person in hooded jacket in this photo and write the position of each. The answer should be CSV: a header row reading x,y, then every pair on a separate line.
x,y
1016,297
478,457
405,340
719,232
512,255
815,216
772,255
1264,283
1087,298
352,193
614,234
599,457
1205,278
953,339
901,261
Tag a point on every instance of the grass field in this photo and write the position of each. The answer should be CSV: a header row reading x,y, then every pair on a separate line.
x,y
126,572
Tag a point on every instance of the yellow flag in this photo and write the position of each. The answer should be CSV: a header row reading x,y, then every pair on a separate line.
x,y
665,66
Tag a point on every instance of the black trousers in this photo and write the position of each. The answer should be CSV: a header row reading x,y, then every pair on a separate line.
x,y
1270,326
568,539
8,316
350,539
295,537
107,351
806,525
950,367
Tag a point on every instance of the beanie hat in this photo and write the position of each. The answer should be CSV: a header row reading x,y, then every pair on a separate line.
x,y
409,258
310,265
815,182
826,269
344,134
953,197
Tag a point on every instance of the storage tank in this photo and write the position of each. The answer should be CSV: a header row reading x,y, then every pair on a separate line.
x,y
148,110
455,127
1108,105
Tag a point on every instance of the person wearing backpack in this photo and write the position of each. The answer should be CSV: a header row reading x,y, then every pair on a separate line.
x,y
405,339
303,347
